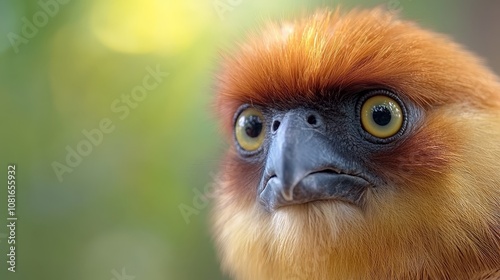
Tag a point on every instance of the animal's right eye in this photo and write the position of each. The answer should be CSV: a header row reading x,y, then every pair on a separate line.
x,y
250,130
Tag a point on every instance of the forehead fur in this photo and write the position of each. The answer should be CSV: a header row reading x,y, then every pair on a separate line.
x,y
331,53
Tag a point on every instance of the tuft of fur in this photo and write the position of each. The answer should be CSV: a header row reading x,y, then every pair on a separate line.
x,y
440,216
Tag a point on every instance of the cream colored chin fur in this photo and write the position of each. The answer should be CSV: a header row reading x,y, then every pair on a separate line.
x,y
334,240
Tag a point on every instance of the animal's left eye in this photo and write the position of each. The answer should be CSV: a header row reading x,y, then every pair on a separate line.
x,y
381,116
249,129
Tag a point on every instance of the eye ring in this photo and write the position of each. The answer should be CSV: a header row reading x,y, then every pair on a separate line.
x,y
382,116
250,129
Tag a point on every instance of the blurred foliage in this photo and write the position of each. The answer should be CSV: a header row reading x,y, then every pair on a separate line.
x,y
118,209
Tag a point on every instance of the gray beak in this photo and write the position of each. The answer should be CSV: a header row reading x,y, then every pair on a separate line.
x,y
304,165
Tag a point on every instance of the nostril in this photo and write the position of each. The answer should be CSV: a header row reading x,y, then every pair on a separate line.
x,y
276,125
312,120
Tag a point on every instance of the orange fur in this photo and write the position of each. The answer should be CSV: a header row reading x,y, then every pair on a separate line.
x,y
440,219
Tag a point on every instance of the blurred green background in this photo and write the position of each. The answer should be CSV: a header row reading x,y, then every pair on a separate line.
x,y
116,213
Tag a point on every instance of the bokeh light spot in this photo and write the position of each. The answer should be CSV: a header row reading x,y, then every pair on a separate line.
x,y
139,27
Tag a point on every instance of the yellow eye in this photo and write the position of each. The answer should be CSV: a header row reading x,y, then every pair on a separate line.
x,y
250,129
381,116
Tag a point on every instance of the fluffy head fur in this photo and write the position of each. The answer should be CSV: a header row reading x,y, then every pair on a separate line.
x,y
439,216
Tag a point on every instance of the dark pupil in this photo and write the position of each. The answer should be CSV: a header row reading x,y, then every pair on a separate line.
x,y
381,115
253,126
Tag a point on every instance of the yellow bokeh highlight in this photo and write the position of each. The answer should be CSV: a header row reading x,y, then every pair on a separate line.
x,y
132,26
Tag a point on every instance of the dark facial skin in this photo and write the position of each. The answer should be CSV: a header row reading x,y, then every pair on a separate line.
x,y
321,151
